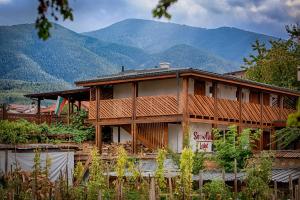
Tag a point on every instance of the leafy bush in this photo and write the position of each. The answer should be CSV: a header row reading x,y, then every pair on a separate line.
x,y
159,172
258,172
20,131
184,186
216,189
234,146
198,162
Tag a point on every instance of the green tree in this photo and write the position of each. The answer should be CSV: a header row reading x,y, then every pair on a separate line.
x,y
276,65
234,146
258,172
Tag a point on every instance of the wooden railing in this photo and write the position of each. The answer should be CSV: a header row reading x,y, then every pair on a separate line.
x,y
226,109
202,106
115,108
156,106
42,118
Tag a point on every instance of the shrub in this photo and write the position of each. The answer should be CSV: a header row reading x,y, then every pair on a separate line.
x,y
234,146
216,189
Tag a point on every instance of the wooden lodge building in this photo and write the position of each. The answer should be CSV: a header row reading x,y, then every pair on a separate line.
x,y
160,107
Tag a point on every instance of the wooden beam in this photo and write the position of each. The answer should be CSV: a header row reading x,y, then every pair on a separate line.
x,y
166,135
240,100
261,101
280,107
133,124
69,111
79,105
98,136
185,109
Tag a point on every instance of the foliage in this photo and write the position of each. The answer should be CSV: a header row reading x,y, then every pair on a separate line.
x,y
216,189
258,172
291,132
161,10
234,146
159,172
294,31
198,162
96,180
42,23
20,131
184,185
276,65
121,163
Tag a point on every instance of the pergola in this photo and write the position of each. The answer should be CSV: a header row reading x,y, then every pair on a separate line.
x,y
72,96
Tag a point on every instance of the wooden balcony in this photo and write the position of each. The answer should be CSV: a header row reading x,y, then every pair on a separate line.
x,y
201,107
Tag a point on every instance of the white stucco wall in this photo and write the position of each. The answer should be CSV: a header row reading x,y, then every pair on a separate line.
x,y
200,137
122,90
175,137
124,135
227,92
152,88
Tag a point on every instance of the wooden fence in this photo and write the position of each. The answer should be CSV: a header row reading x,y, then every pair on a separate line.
x,y
37,118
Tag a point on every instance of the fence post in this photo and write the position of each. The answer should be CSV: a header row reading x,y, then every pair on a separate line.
x,y
296,192
152,190
170,187
291,187
275,190
235,178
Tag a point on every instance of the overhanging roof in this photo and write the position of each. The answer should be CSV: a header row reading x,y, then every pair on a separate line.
x,y
160,73
81,94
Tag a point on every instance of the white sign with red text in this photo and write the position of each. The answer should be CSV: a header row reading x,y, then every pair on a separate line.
x,y
201,137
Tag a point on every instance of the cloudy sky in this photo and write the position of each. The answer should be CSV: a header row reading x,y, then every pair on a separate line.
x,y
263,16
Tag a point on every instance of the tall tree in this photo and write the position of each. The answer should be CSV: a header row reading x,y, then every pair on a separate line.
x,y
277,65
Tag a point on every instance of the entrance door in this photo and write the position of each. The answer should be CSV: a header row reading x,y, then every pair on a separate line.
x,y
107,134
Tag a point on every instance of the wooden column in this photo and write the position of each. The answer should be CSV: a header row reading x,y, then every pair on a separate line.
x,y
280,107
261,97
215,96
185,109
166,136
69,111
79,106
39,106
98,136
133,124
39,110
240,99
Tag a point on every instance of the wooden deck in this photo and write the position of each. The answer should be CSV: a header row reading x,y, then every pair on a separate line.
x,y
199,107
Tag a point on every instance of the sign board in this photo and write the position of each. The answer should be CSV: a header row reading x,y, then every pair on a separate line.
x,y
203,140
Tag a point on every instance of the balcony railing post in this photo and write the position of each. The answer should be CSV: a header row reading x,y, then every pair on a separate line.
x,y
133,124
98,136
185,109
240,99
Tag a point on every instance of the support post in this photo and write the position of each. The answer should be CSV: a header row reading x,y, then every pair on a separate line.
x,y
235,179
69,111
166,136
185,103
240,99
79,106
39,110
98,136
275,190
133,124
261,95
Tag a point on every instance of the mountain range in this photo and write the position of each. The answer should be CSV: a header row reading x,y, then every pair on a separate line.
x,y
68,56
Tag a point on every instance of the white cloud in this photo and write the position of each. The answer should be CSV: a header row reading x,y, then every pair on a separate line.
x,y
4,1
